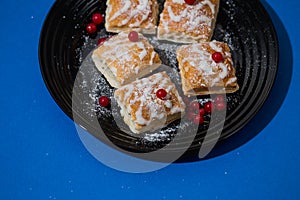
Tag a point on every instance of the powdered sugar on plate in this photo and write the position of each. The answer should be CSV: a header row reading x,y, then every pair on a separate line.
x,y
93,85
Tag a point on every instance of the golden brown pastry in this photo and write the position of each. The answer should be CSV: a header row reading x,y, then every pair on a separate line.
x,y
143,110
201,74
139,15
122,61
180,22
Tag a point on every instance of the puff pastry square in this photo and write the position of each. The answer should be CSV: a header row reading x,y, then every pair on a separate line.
x,y
139,15
200,74
142,110
180,22
122,61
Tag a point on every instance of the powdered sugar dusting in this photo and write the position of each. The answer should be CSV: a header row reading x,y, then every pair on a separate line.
x,y
142,94
94,85
125,59
138,12
165,49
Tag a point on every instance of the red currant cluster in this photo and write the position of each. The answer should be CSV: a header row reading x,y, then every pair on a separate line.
x,y
91,28
196,111
97,19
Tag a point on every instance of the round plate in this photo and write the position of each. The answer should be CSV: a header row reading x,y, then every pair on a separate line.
x,y
244,25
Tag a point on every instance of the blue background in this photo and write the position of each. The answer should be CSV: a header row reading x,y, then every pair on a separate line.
x,y
42,156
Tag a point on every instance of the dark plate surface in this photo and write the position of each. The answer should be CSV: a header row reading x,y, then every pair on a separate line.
x,y
64,46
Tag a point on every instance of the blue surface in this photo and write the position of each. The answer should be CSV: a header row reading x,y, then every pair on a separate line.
x,y
42,156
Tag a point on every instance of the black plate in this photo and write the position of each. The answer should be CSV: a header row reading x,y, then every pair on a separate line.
x,y
244,25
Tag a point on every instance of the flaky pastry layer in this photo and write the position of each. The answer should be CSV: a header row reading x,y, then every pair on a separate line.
x,y
125,15
122,61
180,22
200,74
143,110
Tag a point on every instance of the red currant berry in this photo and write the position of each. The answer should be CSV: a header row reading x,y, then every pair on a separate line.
x,y
198,119
217,57
208,107
220,105
219,98
104,101
97,18
133,36
101,41
91,28
201,111
161,93
190,2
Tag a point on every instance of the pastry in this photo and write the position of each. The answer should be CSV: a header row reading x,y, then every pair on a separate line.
x,y
143,110
122,61
139,15
206,68
184,23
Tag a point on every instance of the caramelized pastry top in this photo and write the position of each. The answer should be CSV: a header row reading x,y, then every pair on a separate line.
x,y
131,13
194,20
141,101
198,68
125,58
